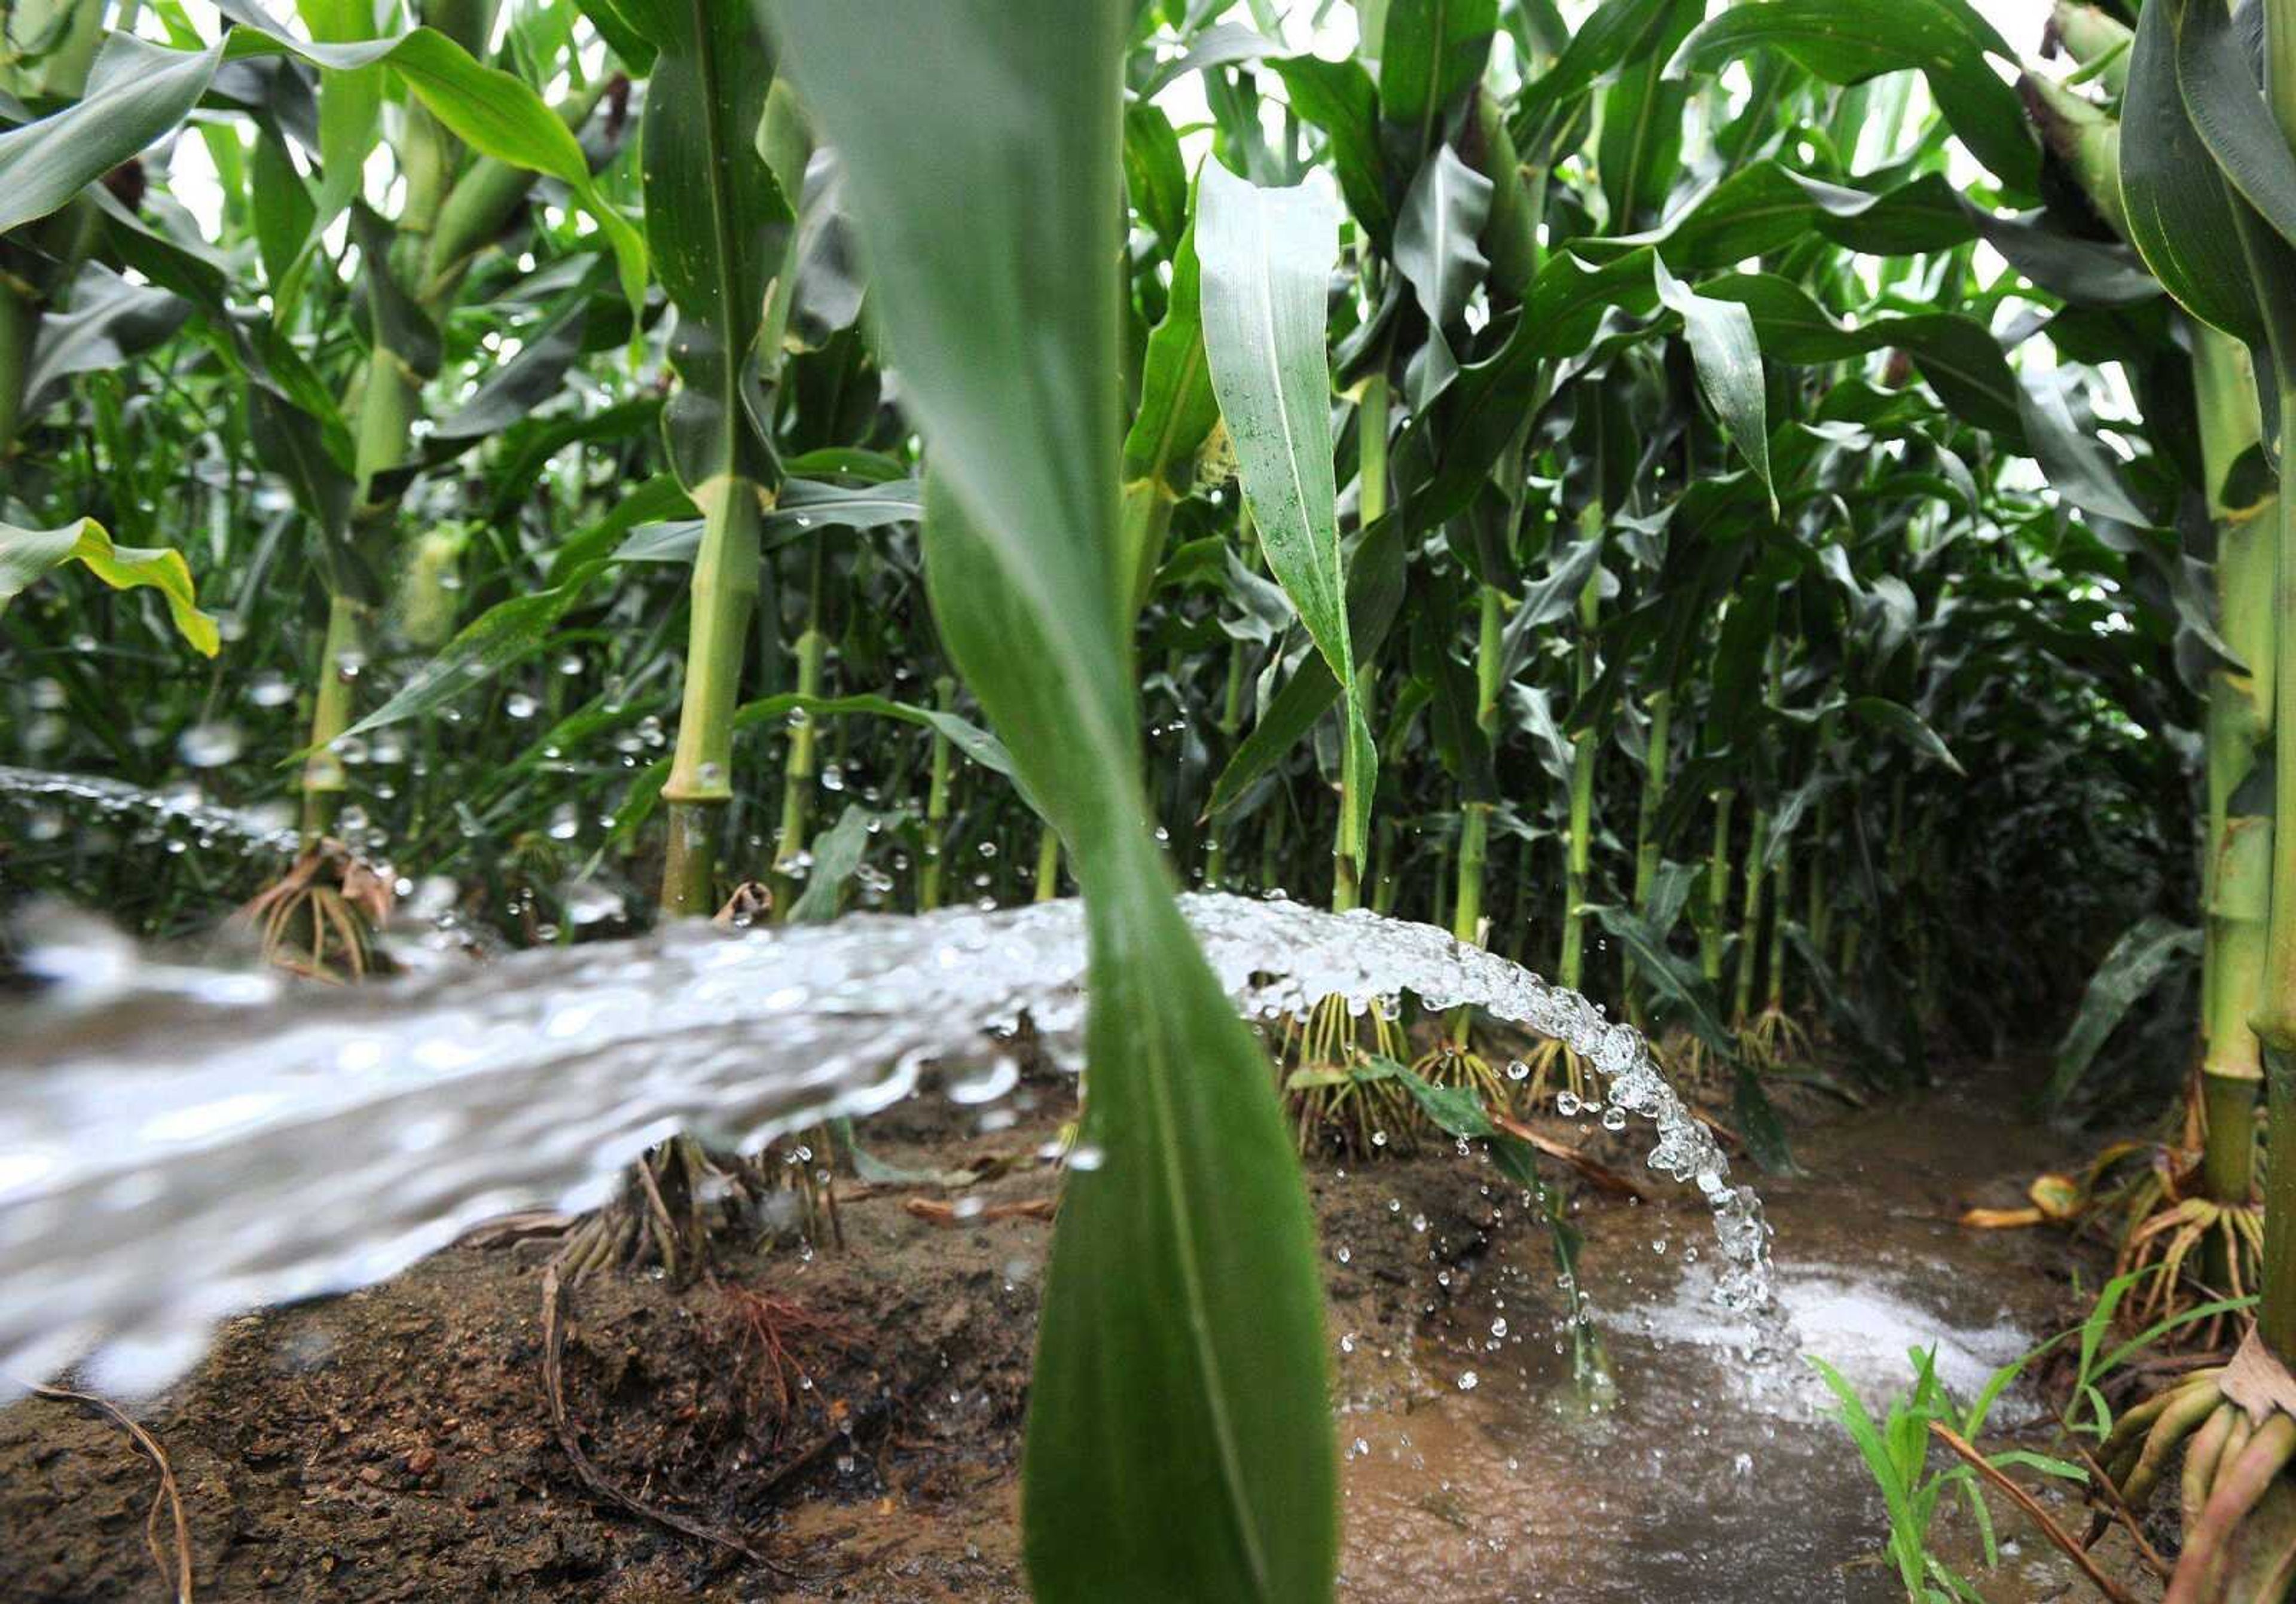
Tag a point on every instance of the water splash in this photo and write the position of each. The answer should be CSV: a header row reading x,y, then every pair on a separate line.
x,y
183,815
172,1153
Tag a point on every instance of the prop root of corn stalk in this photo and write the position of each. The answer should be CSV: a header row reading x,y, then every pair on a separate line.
x,y
318,920
2236,1424
662,1215
594,1480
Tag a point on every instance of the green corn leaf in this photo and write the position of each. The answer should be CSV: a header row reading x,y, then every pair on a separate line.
x,y
2217,73
2220,66
1846,42
1616,31
511,630
1639,147
1265,254
285,216
516,388
1765,206
1957,355
1438,250
398,330
1535,718
717,225
1681,992
1548,599
1179,1444
25,554
2180,211
2083,272
962,733
1788,815
615,25
1154,173
1457,1111
1897,719
1177,406
504,635
350,112
109,321
1176,418
494,112
1431,51
1758,1124
837,854
1480,414
2145,952
1728,356
1888,1475
142,93
2080,468
1436,242
967,737
645,502
802,507
1339,98
1224,45
1374,596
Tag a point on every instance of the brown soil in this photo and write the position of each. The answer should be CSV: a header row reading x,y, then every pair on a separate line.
x,y
394,1444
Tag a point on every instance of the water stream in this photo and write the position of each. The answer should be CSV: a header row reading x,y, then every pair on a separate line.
x,y
178,1145
184,819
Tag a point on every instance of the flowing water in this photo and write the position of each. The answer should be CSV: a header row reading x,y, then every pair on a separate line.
x,y
183,820
178,1145
1701,1475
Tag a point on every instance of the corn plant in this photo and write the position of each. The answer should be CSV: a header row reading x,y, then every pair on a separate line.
x,y
1140,1424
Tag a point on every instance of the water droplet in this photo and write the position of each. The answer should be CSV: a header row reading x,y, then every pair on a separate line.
x,y
211,744
986,1085
588,902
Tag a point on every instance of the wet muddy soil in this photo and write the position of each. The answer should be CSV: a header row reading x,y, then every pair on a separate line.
x,y
851,1416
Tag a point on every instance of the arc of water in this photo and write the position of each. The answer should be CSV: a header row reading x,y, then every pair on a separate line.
x,y
189,1150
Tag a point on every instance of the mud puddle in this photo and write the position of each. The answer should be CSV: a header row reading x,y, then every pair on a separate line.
x,y
1696,1475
